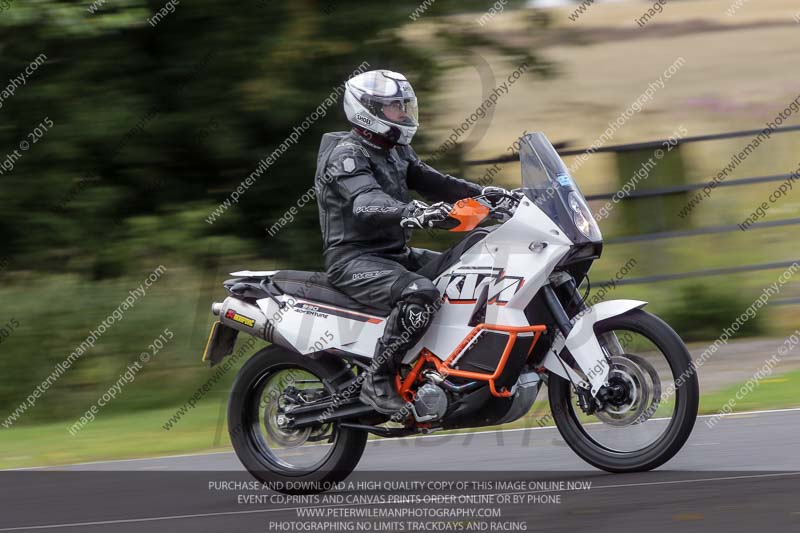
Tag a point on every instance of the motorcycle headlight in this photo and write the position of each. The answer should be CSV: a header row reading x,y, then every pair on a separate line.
x,y
583,219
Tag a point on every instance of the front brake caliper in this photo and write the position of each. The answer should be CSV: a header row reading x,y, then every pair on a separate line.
x,y
587,404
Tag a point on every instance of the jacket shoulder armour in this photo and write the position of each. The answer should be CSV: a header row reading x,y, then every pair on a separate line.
x,y
348,159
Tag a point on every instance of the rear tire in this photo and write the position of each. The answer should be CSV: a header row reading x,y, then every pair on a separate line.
x,y
244,424
683,418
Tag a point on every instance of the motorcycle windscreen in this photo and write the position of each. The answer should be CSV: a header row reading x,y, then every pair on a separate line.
x,y
547,182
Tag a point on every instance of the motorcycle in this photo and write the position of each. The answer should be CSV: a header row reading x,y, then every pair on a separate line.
x,y
621,385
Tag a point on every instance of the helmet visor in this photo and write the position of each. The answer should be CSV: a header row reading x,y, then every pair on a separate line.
x,y
402,111
394,109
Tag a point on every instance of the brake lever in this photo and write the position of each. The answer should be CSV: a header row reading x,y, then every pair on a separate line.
x,y
515,199
483,200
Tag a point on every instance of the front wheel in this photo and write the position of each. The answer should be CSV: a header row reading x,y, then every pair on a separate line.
x,y
304,460
649,407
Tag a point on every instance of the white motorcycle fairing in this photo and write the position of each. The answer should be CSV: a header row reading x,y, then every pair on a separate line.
x,y
486,294
312,326
502,264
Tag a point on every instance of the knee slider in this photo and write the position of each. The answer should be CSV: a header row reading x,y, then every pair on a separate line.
x,y
421,293
424,297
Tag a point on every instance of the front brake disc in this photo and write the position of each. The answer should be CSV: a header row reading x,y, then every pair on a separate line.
x,y
636,402
654,396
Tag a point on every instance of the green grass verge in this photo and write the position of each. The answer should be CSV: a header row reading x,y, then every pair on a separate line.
x,y
121,436
774,392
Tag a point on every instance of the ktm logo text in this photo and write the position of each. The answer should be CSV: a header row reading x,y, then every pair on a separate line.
x,y
465,284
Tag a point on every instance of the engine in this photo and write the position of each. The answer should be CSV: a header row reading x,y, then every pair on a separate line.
x,y
430,403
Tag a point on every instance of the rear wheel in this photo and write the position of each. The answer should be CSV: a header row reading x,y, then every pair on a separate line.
x,y
302,460
649,407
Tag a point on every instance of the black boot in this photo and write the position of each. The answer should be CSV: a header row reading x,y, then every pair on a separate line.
x,y
378,388
405,325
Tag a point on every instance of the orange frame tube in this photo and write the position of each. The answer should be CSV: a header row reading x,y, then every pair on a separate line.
x,y
444,368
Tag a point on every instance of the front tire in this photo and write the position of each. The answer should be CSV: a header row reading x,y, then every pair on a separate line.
x,y
684,405
249,415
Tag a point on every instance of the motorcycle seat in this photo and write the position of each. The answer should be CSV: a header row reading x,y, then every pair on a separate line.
x,y
315,286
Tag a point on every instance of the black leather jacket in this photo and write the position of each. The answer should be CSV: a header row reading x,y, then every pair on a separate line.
x,y
362,190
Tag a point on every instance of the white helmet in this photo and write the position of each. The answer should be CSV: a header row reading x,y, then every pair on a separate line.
x,y
382,102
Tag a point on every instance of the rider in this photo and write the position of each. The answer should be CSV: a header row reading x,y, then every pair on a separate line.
x,y
366,213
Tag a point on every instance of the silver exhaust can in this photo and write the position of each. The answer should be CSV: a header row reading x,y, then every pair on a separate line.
x,y
247,318
242,316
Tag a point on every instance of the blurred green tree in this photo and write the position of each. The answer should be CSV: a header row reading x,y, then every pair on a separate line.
x,y
150,121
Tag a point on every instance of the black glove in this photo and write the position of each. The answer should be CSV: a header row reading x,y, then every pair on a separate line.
x,y
502,201
421,215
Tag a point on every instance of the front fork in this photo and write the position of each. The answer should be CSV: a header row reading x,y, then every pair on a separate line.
x,y
578,336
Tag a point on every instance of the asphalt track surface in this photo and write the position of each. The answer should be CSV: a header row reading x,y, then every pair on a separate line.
x,y
742,474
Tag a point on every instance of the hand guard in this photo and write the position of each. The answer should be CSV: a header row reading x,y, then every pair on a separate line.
x,y
502,201
421,215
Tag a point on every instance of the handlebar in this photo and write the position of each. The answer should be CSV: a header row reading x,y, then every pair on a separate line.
x,y
497,204
470,212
